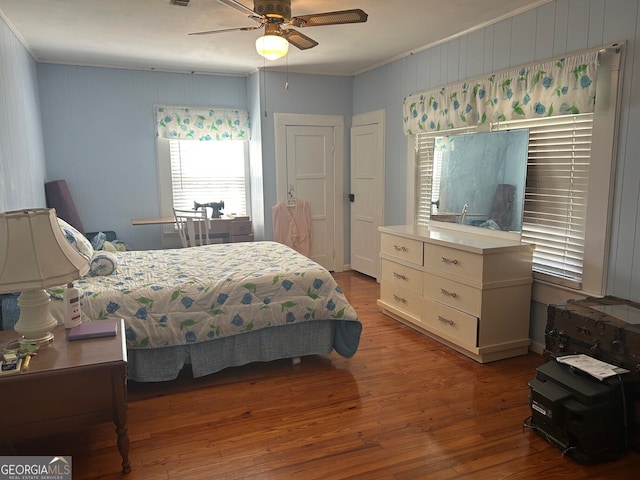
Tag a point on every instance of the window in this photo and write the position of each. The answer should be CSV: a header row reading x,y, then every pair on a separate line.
x,y
202,171
555,196
206,172
569,183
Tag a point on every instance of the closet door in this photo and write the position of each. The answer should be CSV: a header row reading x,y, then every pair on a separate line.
x,y
310,176
367,191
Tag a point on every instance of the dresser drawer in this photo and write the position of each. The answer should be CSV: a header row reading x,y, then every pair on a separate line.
x,y
401,298
452,324
241,238
457,295
451,261
403,248
240,227
219,225
401,277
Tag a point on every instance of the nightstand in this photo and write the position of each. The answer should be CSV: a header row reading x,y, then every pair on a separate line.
x,y
69,385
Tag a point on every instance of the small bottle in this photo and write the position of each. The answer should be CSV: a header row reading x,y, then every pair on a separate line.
x,y
72,316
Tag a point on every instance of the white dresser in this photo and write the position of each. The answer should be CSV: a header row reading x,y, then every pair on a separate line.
x,y
469,291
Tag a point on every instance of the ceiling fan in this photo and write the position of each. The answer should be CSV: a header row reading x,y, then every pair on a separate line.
x,y
275,17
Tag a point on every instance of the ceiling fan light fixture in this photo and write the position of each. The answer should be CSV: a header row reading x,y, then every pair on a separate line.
x,y
272,47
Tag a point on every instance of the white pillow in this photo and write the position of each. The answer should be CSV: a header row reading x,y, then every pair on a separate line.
x,y
78,240
103,263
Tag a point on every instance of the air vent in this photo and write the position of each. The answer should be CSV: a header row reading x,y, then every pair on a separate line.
x,y
181,3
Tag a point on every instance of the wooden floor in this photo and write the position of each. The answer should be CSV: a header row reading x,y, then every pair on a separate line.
x,y
404,407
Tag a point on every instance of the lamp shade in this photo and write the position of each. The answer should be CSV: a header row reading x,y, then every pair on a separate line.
x,y
34,252
272,47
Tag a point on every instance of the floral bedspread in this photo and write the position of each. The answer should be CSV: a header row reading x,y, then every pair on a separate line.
x,y
188,295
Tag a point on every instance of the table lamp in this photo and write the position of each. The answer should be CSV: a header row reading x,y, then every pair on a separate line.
x,y
35,255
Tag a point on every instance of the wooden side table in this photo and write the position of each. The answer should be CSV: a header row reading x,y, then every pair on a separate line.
x,y
69,385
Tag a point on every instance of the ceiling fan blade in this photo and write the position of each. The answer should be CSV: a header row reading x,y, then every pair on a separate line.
x,y
298,39
209,32
329,18
240,7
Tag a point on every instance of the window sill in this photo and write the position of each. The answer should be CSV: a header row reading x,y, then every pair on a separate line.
x,y
552,294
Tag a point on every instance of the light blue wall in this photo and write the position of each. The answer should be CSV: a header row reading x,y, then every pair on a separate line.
x,y
554,29
22,160
306,94
99,135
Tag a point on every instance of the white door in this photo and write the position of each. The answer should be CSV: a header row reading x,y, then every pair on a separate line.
x,y
310,172
367,191
319,179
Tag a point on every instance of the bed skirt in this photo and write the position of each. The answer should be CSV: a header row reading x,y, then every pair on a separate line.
x,y
274,343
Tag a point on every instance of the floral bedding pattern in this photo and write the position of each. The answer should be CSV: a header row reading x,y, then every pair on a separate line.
x,y
189,295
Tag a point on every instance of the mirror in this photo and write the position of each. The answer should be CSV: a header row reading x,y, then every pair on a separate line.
x,y
479,179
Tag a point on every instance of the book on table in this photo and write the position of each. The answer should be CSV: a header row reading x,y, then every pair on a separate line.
x,y
97,329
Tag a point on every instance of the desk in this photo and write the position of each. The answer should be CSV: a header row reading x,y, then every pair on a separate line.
x,y
153,221
223,230
69,385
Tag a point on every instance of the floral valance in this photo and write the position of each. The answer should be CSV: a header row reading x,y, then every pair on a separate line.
x,y
185,123
557,87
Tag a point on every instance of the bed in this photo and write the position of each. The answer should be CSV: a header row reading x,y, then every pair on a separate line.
x,y
217,306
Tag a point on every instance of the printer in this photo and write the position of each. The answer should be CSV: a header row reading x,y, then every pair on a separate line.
x,y
586,418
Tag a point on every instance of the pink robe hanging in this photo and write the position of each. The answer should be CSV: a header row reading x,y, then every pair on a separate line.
x,y
292,225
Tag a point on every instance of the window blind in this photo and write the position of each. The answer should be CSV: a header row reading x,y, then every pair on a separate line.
x,y
555,207
208,172
555,196
428,173
424,177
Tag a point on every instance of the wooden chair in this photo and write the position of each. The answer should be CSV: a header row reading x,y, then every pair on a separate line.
x,y
193,227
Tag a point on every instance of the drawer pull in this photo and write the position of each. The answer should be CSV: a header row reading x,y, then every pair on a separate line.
x,y
448,293
401,248
399,299
400,276
445,320
449,261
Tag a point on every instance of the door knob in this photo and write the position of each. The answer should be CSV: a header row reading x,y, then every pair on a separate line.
x,y
352,197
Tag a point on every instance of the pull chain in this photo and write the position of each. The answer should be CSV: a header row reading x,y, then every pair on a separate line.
x,y
264,85
286,83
